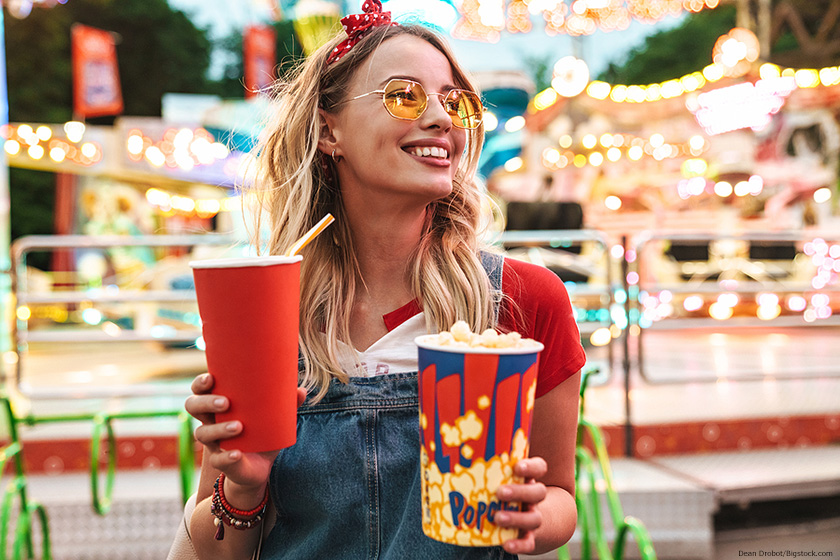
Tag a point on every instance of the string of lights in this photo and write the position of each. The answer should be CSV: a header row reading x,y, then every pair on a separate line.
x,y
22,8
748,104
484,20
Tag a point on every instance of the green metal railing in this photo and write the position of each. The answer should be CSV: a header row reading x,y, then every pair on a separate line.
x,y
102,421
101,500
103,461
23,539
589,471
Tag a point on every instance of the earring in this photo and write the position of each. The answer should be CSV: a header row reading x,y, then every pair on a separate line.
x,y
334,158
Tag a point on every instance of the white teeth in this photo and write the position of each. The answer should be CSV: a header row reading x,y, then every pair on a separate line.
x,y
431,151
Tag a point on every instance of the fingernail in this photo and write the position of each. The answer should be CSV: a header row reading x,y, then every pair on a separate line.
x,y
235,454
504,493
205,379
502,517
232,426
219,403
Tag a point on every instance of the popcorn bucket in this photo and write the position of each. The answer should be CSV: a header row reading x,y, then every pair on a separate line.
x,y
475,421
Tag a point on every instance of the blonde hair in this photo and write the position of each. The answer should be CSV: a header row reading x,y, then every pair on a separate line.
x,y
295,187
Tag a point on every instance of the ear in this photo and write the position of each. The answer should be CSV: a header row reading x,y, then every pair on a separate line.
x,y
327,138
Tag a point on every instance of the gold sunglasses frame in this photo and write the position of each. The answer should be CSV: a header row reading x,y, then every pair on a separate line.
x,y
443,97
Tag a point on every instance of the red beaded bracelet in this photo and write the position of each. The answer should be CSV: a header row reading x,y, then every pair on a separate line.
x,y
239,512
226,514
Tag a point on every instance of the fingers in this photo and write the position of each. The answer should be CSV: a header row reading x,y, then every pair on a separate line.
x,y
528,520
201,408
202,384
528,494
224,460
247,470
211,435
531,469
204,407
205,404
523,545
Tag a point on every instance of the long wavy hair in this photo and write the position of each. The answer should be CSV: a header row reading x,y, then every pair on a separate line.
x,y
295,185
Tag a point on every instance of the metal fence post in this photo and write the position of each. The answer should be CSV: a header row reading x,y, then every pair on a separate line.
x,y
628,419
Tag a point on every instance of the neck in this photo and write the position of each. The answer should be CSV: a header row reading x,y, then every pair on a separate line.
x,y
384,248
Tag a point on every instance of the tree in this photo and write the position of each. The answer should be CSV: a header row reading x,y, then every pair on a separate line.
x,y
803,34
32,195
38,67
674,52
540,68
159,50
289,54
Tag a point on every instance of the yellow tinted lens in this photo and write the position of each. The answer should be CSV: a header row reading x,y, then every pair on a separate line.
x,y
404,99
464,107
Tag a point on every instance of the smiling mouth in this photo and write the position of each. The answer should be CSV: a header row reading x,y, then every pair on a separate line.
x,y
428,152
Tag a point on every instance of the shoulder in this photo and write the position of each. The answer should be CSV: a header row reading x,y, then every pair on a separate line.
x,y
534,297
527,269
527,282
537,305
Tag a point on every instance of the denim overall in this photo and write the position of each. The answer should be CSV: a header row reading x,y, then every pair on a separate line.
x,y
350,487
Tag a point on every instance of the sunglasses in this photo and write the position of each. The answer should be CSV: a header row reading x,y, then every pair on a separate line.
x,y
407,100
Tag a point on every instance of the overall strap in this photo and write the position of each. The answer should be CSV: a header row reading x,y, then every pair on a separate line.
x,y
493,264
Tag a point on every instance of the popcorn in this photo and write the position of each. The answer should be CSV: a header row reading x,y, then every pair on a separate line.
x,y
460,331
489,338
460,335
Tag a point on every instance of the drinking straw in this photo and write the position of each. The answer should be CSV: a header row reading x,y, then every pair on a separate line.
x,y
298,245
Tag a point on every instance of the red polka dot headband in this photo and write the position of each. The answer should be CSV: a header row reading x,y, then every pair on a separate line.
x,y
357,26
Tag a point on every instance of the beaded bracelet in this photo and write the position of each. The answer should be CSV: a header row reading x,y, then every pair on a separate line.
x,y
225,514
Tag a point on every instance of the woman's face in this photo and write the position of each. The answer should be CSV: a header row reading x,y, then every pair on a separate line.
x,y
383,157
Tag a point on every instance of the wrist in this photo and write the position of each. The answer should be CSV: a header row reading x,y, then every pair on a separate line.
x,y
227,514
243,496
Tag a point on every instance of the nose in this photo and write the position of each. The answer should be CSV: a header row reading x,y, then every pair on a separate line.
x,y
435,114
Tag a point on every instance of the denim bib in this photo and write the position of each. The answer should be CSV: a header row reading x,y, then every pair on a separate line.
x,y
350,487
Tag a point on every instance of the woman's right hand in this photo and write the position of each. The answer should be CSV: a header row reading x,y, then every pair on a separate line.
x,y
245,469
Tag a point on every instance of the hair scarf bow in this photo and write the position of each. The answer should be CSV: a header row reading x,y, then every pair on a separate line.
x,y
357,25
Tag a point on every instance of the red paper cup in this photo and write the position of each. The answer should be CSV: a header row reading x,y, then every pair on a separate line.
x,y
475,424
249,311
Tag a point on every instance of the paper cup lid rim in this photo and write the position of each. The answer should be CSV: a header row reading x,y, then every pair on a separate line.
x,y
240,262
424,342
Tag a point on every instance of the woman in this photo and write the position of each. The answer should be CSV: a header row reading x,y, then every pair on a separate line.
x,y
353,137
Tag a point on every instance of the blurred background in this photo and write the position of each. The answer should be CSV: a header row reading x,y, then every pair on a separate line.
x,y
675,162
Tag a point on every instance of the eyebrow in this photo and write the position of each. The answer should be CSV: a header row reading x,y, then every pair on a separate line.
x,y
446,87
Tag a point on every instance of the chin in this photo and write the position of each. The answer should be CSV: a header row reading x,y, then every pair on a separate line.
x,y
433,188
441,191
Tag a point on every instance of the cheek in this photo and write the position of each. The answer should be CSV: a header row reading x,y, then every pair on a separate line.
x,y
459,143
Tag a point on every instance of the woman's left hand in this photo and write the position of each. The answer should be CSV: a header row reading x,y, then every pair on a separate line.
x,y
530,493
